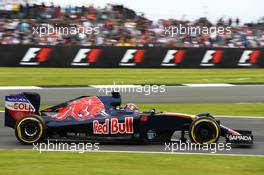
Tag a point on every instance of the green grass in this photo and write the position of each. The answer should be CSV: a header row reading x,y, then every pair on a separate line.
x,y
233,109
49,163
88,76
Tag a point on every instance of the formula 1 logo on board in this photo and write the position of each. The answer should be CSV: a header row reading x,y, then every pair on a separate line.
x,y
249,57
212,57
35,56
132,57
86,56
173,57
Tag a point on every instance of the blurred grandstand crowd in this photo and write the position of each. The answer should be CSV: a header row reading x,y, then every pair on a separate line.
x,y
118,26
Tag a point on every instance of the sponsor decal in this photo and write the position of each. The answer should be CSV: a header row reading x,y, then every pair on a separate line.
x,y
18,103
15,99
132,57
117,127
81,109
151,134
212,57
101,128
249,57
239,137
19,106
24,107
173,57
86,56
35,56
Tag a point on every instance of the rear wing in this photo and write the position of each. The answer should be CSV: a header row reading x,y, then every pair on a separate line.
x,y
20,105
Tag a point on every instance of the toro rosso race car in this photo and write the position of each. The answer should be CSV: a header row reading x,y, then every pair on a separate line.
x,y
101,118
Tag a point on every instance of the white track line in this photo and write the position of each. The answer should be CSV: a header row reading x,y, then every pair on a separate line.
x,y
139,152
18,87
248,117
116,86
182,153
209,85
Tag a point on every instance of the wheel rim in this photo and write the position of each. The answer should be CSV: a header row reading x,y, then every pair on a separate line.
x,y
205,132
29,130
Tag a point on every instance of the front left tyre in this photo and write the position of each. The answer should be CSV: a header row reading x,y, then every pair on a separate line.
x,y
30,129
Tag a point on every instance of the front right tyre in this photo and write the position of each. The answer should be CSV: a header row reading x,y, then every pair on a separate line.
x,y
204,130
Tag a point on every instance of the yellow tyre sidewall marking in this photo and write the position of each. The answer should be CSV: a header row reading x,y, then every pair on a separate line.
x,y
205,120
19,130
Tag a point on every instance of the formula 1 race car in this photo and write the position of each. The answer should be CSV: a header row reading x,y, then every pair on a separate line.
x,y
101,118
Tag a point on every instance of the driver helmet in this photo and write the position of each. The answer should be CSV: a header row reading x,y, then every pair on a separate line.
x,y
131,107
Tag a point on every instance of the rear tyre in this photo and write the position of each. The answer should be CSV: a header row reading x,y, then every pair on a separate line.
x,y
30,129
204,130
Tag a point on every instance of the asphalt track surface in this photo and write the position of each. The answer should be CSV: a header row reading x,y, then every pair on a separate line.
x,y
172,94
180,94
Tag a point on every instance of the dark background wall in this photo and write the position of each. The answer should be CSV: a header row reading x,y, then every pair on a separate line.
x,y
140,57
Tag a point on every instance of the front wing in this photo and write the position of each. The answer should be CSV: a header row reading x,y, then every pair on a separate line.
x,y
244,137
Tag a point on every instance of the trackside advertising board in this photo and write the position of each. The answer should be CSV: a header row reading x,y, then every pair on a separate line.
x,y
139,57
